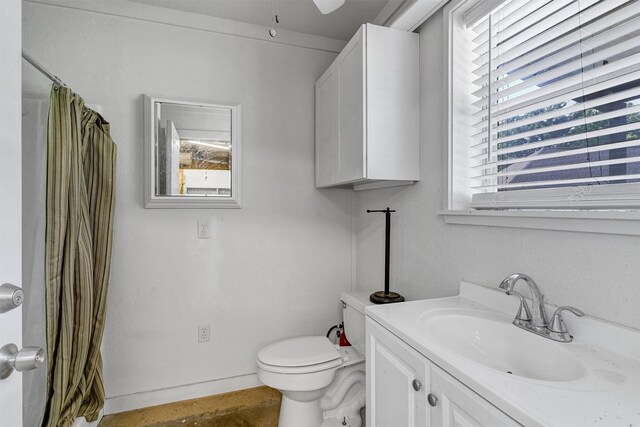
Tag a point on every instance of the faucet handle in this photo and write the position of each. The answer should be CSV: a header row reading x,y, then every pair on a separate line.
x,y
523,311
557,323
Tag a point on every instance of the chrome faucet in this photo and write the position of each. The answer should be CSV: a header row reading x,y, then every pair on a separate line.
x,y
538,315
536,320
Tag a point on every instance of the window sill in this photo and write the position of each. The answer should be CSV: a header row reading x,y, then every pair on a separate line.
x,y
604,222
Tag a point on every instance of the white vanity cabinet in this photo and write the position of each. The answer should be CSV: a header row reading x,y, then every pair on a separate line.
x,y
397,381
367,112
404,388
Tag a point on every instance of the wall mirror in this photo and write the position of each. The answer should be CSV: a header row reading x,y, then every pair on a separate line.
x,y
192,154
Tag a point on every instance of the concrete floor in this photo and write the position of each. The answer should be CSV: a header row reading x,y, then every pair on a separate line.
x,y
255,407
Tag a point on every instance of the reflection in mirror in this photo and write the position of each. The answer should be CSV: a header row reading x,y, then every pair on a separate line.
x,y
194,154
194,150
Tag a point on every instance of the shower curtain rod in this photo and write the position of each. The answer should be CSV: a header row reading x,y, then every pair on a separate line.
x,y
40,68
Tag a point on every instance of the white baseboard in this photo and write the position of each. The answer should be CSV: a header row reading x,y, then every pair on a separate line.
x,y
144,399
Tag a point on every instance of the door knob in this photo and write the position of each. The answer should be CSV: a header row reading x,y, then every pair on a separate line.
x,y
11,297
11,359
417,385
432,399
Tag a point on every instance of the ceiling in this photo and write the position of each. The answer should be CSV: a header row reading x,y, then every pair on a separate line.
x,y
294,15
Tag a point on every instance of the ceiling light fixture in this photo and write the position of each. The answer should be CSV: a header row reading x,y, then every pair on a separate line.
x,y
328,6
220,145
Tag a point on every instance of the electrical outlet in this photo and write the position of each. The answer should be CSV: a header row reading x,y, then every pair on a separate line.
x,y
204,333
203,229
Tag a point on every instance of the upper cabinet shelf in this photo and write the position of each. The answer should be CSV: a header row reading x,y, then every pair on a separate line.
x,y
367,110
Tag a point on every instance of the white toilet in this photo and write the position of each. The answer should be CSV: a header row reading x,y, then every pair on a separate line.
x,y
322,385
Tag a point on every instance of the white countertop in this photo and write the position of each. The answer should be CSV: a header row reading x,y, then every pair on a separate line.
x,y
608,394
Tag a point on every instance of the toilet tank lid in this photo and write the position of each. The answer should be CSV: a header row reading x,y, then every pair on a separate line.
x,y
357,299
299,351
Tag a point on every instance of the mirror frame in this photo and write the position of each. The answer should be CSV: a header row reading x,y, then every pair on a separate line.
x,y
151,200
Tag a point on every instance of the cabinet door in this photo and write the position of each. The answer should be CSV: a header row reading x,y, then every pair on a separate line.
x,y
392,368
327,128
351,105
459,406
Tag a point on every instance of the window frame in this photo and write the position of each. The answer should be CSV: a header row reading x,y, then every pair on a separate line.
x,y
599,217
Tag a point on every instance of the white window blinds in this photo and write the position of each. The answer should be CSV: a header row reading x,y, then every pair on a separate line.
x,y
555,91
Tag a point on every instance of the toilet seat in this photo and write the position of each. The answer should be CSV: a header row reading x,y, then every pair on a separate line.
x,y
300,369
300,355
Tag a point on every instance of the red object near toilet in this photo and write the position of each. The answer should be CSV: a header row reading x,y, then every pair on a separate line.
x,y
344,342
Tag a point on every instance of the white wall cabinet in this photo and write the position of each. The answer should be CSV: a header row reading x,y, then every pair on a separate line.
x,y
395,400
367,112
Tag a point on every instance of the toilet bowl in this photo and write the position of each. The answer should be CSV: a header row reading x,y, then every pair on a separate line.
x,y
321,383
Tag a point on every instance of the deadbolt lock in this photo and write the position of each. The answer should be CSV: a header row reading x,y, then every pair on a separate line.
x,y
11,297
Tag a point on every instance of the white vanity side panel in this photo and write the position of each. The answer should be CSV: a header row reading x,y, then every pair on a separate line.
x,y
393,106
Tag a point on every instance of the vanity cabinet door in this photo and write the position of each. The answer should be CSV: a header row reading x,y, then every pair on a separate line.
x,y
458,406
397,381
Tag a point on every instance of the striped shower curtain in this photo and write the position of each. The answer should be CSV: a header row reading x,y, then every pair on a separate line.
x,y
80,206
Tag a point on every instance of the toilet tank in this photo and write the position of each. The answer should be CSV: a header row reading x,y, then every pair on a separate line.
x,y
353,304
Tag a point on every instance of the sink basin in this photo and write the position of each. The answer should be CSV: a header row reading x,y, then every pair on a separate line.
x,y
491,340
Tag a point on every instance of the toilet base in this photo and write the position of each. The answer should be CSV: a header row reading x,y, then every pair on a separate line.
x,y
294,413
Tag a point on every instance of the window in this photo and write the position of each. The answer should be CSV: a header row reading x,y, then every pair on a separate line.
x,y
544,104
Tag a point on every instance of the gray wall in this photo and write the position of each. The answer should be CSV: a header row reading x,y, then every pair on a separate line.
x,y
596,272
273,269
